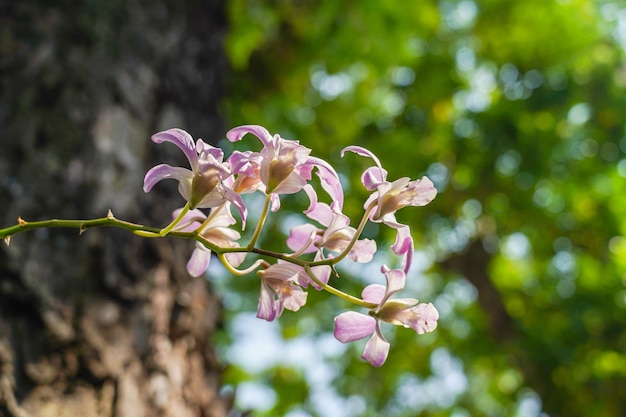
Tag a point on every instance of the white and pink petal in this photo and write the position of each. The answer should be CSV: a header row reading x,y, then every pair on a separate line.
x,y
376,349
363,251
199,261
374,293
351,326
163,172
183,140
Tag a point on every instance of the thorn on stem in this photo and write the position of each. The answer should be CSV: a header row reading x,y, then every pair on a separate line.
x,y
20,221
7,239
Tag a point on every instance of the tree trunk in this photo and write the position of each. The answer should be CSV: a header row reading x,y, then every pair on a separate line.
x,y
104,323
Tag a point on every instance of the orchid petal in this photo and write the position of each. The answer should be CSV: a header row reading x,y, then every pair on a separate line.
x,y
205,150
190,221
423,192
372,198
363,251
220,235
199,261
290,185
396,279
247,167
181,139
373,293
372,177
321,213
237,201
312,194
351,326
403,302
279,290
359,150
403,192
260,132
328,179
224,194
282,271
364,152
165,171
268,308
376,349
299,236
294,298
222,217
240,162
275,199
236,258
404,246
426,318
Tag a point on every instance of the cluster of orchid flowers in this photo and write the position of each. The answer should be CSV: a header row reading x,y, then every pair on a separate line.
x,y
286,167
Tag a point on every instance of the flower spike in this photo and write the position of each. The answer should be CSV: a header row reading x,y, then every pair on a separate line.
x,y
211,186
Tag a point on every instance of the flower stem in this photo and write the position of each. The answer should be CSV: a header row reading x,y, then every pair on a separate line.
x,y
357,234
259,226
110,221
177,220
210,217
328,288
239,272
23,226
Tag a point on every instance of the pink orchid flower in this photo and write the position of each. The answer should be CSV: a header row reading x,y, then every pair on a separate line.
x,y
392,196
202,186
282,167
406,312
247,166
216,230
307,238
280,290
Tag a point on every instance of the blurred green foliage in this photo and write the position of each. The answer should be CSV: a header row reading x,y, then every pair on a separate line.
x,y
515,110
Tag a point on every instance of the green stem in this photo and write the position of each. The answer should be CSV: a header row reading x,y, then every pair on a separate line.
x,y
357,234
210,217
239,272
111,221
108,221
259,226
177,220
82,225
328,288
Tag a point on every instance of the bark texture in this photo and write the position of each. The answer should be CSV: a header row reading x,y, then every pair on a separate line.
x,y
105,323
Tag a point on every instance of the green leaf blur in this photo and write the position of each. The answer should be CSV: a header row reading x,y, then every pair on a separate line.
x,y
515,110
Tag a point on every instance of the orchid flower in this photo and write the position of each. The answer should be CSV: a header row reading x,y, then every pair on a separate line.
x,y
406,312
216,230
247,166
202,186
392,196
388,197
336,237
280,290
282,167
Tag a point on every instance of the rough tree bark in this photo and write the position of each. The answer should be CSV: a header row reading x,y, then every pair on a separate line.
x,y
105,323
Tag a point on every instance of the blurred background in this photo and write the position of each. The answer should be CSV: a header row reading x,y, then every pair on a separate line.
x,y
515,111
